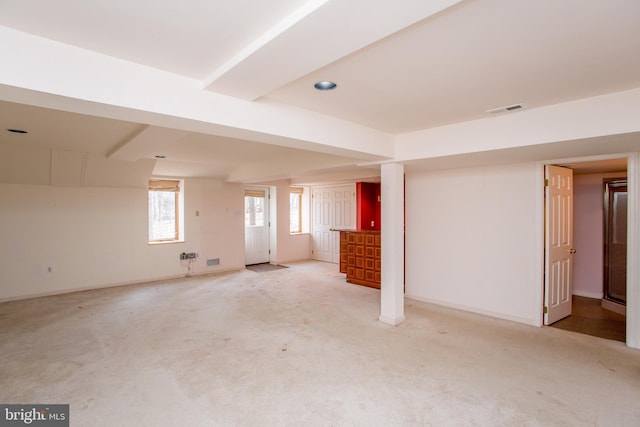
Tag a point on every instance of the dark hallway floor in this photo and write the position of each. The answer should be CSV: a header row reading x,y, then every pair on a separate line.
x,y
590,318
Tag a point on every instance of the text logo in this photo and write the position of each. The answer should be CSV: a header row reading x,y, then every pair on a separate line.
x,y
34,415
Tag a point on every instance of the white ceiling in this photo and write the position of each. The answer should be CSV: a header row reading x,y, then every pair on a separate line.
x,y
480,55
400,66
191,38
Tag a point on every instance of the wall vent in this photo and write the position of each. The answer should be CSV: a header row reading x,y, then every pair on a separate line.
x,y
506,108
214,261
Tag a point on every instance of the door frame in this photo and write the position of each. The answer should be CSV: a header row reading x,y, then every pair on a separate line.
x,y
562,255
335,238
633,239
267,204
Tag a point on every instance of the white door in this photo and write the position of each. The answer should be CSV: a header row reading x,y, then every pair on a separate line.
x,y
344,216
333,208
256,225
558,263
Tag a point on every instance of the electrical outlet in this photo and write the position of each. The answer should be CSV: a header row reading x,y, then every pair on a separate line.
x,y
192,255
183,255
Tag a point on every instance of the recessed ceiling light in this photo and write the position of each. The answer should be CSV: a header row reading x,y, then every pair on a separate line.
x,y
325,85
17,131
160,156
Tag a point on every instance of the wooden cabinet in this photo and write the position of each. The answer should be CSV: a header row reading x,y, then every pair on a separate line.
x,y
361,257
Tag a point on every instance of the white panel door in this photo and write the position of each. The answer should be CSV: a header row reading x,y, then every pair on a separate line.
x,y
256,225
322,224
558,263
344,216
333,208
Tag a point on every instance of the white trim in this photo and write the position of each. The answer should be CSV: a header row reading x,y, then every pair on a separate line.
x,y
270,206
587,294
538,259
393,321
633,251
118,284
494,314
614,306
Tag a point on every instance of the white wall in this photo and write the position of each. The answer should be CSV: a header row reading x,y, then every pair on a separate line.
x,y
588,234
95,237
471,240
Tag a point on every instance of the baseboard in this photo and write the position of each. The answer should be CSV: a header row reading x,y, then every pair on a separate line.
x,y
614,306
587,294
393,321
497,315
291,261
115,285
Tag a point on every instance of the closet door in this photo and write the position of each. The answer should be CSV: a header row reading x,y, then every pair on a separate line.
x,y
334,208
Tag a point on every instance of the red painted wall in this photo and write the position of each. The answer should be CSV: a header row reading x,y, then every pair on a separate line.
x,y
367,206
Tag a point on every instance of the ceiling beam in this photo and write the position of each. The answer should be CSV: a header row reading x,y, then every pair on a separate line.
x,y
587,118
318,34
292,165
41,72
148,142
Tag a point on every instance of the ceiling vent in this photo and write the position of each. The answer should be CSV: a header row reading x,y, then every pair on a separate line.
x,y
505,109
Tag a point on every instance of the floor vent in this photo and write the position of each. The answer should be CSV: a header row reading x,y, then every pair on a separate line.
x,y
214,261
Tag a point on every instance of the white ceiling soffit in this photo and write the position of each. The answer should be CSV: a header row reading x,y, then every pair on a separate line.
x,y
317,34
190,38
610,145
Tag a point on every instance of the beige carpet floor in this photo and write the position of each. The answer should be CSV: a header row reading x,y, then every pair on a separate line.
x,y
301,347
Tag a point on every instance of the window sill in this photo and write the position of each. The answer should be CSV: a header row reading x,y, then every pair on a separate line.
x,y
165,242
299,234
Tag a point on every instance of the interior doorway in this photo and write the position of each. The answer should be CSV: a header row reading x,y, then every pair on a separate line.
x,y
590,260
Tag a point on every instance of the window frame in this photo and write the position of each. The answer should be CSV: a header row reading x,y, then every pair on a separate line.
x,y
298,192
176,187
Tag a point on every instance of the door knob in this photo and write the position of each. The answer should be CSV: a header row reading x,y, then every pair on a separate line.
x,y
572,251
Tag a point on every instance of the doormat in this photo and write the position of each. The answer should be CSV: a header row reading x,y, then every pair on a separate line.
x,y
261,268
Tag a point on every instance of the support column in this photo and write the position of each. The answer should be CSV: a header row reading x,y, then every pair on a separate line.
x,y
392,231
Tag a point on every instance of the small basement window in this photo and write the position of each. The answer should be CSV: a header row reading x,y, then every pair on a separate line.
x,y
298,210
165,207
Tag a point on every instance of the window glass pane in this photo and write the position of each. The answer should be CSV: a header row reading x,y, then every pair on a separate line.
x,y
294,213
254,211
162,215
